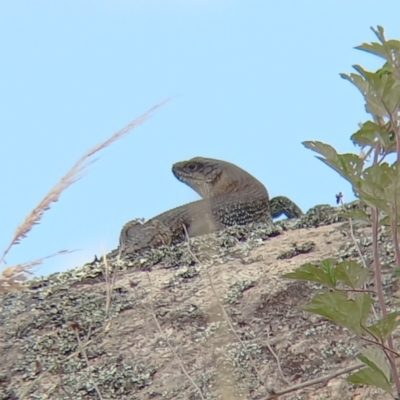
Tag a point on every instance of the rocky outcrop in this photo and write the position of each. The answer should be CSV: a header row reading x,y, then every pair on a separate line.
x,y
211,319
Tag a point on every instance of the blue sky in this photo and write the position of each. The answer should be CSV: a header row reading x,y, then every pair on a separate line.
x,y
250,80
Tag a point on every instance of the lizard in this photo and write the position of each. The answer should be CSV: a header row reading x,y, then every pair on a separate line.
x,y
230,196
205,176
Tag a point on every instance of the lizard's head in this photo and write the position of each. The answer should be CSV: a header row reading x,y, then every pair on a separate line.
x,y
201,174
210,177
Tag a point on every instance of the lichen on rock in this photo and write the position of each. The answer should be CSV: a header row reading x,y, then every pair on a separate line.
x,y
166,321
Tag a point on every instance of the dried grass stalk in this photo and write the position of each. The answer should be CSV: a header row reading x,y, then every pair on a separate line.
x,y
11,278
72,176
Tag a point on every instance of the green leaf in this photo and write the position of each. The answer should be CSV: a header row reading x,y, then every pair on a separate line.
x,y
388,49
349,166
373,202
369,377
379,372
378,176
375,106
351,273
375,358
329,272
385,326
385,221
358,215
381,91
375,183
378,49
335,306
392,189
328,266
363,303
374,48
314,273
322,148
381,188
371,133
380,33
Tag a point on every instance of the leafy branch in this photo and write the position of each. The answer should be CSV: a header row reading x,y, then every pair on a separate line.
x,y
376,184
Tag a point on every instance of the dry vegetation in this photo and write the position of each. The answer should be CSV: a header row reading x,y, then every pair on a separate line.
x,y
12,276
232,329
211,319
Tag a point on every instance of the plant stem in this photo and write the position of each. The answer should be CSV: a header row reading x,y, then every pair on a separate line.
x,y
378,279
379,287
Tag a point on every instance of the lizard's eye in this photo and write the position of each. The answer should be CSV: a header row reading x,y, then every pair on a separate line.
x,y
191,167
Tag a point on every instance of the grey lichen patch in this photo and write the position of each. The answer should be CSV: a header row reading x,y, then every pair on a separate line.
x,y
320,215
320,329
128,356
220,246
48,325
248,350
339,350
251,260
208,331
296,250
234,361
63,309
235,291
188,273
112,376
186,316
183,274
206,379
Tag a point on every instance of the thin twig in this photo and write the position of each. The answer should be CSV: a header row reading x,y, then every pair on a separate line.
x,y
153,314
361,257
357,245
322,379
393,124
83,352
11,278
355,290
110,282
354,237
385,349
61,387
74,174
277,359
394,226
225,314
75,353
379,284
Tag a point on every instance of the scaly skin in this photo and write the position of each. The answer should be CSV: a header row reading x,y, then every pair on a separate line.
x,y
230,196
211,178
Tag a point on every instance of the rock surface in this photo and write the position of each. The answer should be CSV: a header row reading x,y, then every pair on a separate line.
x,y
165,332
